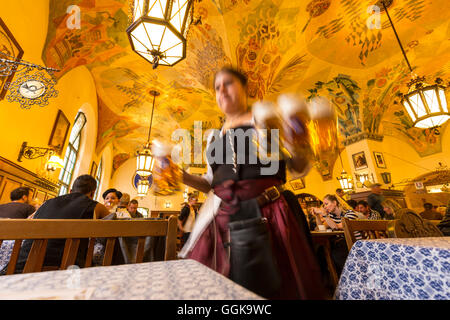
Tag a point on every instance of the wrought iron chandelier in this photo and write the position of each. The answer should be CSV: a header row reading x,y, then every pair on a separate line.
x,y
425,104
33,84
159,28
145,158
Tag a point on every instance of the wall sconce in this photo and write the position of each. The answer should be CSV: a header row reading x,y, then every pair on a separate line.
x,y
386,176
168,204
33,152
54,163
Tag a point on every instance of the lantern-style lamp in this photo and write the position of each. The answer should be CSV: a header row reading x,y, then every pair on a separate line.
x,y
159,28
346,181
426,104
145,162
142,188
386,176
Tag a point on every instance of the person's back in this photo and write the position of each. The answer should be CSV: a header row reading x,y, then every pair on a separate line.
x,y
76,205
444,225
19,207
69,206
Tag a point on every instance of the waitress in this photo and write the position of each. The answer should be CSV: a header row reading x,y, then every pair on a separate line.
x,y
231,184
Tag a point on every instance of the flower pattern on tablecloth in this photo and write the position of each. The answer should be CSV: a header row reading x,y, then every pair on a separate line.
x,y
397,269
164,280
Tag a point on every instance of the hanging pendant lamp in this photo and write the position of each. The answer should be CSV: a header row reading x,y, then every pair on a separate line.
x,y
425,104
145,158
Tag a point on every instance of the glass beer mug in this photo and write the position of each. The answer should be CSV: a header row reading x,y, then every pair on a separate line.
x,y
167,174
266,118
323,129
295,115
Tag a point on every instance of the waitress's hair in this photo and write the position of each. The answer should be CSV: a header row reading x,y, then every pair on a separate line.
x,y
331,197
238,74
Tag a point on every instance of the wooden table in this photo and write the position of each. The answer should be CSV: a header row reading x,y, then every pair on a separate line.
x,y
323,238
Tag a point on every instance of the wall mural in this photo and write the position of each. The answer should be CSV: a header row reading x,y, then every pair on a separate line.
x,y
315,47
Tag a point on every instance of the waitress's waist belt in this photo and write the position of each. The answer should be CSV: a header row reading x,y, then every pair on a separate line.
x,y
269,195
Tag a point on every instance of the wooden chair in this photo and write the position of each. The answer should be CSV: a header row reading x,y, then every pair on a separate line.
x,y
41,230
369,229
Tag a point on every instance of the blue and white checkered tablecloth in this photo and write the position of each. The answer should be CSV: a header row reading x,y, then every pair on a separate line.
x,y
397,269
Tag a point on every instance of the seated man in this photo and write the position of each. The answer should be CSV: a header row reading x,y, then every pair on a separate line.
x,y
122,208
132,209
367,212
78,204
429,213
19,207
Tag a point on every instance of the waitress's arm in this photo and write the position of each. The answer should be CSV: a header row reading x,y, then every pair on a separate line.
x,y
196,182
299,158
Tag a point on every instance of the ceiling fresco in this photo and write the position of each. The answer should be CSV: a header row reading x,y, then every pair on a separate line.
x,y
314,47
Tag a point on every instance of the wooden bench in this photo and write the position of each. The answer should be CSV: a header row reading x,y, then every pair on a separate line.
x,y
41,230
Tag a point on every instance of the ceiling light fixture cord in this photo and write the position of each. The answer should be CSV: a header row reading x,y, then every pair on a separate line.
x,y
396,35
151,119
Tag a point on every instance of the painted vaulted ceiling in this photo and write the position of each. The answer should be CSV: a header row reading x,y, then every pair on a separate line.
x,y
315,47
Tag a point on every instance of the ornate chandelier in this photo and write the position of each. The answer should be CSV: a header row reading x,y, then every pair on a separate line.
x,y
425,104
159,28
145,159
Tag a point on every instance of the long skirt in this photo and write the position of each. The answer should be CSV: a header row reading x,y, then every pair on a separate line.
x,y
291,245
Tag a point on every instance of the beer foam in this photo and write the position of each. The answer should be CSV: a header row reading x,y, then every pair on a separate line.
x,y
290,103
160,149
263,110
320,107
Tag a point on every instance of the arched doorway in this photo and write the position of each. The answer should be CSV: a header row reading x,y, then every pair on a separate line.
x,y
431,187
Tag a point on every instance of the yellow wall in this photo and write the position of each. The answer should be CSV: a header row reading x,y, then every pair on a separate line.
x,y
28,23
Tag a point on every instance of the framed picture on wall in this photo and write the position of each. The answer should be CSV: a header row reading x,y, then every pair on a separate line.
x,y
297,184
359,160
379,159
93,169
59,132
11,50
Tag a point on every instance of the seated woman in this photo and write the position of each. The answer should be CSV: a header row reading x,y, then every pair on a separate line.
x,y
331,215
389,210
111,199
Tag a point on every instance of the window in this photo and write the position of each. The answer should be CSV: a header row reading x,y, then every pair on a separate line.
x,y
65,176
98,177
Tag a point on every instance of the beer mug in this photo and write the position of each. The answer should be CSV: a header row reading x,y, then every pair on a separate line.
x,y
295,115
167,175
266,118
323,129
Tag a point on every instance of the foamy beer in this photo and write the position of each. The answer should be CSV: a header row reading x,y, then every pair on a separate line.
x,y
295,115
167,175
322,128
266,118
